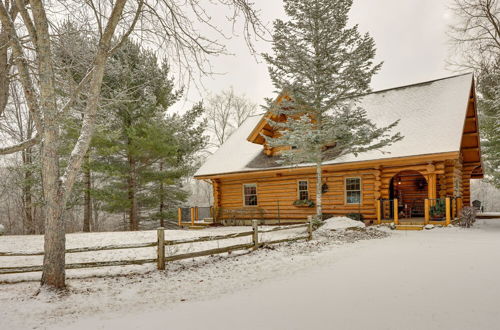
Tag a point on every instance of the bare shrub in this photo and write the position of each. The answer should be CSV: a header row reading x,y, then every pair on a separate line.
x,y
468,217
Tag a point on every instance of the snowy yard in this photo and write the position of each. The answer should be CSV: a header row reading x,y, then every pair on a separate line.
x,y
445,278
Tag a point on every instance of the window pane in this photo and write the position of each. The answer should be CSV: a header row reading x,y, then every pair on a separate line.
x,y
251,200
353,184
303,195
353,190
250,194
302,185
353,197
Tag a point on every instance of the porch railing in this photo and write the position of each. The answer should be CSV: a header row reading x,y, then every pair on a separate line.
x,y
435,210
191,215
387,209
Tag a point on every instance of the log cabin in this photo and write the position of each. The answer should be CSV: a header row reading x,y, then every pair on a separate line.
x,y
411,179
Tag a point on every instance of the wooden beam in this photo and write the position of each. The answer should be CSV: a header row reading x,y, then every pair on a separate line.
x,y
267,132
471,134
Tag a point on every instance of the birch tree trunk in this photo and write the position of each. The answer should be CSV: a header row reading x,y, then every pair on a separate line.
x,y
319,210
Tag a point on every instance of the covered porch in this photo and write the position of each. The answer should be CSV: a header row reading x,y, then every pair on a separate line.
x,y
412,202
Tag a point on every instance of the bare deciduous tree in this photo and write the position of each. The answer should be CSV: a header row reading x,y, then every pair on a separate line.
x,y
169,25
226,111
476,34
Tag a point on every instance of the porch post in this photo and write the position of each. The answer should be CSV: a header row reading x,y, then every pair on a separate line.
x,y
448,213
179,216
192,216
426,211
396,215
379,215
459,206
432,185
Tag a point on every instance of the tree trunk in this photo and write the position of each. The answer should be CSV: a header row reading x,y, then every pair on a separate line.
x,y
95,218
319,209
4,70
132,194
87,208
27,197
55,241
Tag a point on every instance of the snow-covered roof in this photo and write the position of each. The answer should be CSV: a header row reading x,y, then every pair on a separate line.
x,y
431,118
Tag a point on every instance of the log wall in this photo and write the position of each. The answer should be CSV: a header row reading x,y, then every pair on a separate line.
x,y
276,191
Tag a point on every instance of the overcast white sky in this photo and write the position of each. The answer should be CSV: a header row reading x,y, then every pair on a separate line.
x,y
410,37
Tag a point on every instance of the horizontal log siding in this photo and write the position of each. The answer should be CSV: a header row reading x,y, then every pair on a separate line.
x,y
283,190
409,189
273,187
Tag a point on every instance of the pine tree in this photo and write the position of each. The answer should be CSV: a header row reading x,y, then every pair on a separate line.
x,y
489,104
323,65
141,152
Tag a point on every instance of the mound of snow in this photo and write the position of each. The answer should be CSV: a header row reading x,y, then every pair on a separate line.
x,y
339,223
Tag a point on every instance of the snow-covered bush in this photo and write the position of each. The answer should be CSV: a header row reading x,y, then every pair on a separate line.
x,y
468,217
2,229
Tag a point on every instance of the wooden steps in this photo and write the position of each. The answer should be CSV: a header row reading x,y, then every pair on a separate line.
x,y
409,227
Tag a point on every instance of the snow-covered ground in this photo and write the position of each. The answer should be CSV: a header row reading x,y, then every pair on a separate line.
x,y
444,278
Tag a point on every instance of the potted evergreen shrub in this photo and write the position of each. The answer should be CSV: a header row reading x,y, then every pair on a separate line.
x,y
438,210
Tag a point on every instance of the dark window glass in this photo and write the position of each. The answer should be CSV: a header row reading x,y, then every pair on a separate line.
x,y
303,190
250,194
353,190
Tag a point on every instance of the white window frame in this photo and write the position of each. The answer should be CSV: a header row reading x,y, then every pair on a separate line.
x,y
256,194
298,188
360,190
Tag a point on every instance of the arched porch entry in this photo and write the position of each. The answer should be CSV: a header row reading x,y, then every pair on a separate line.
x,y
411,190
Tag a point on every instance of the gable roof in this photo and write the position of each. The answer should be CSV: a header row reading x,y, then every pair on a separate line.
x,y
431,114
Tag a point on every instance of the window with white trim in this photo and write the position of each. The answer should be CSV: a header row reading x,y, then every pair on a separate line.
x,y
250,194
353,190
303,190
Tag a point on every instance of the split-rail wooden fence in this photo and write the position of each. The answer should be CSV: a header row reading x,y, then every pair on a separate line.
x,y
161,243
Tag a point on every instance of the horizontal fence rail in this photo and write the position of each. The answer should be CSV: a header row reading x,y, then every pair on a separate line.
x,y
161,243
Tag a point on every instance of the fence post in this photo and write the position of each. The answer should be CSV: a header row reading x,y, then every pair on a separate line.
x,y
192,216
379,212
179,216
309,228
448,213
396,212
426,211
255,237
161,248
